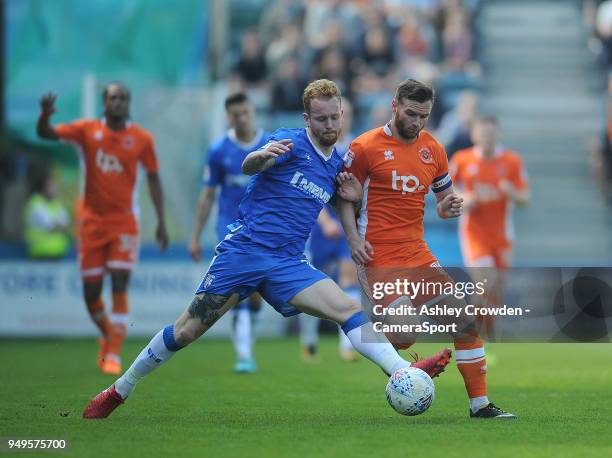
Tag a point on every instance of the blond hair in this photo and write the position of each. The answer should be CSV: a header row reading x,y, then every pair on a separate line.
x,y
320,89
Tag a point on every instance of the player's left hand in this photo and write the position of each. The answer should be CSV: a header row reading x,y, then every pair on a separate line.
x,y
161,236
450,206
349,187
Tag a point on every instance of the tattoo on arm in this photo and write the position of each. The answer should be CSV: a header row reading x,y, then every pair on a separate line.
x,y
206,307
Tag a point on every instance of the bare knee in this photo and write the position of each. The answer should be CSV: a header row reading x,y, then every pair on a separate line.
x,y
203,312
185,334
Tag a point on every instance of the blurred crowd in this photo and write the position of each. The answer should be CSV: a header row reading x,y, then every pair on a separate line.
x,y
367,48
598,18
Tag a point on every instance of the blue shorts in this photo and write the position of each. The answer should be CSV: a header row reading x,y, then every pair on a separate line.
x,y
242,266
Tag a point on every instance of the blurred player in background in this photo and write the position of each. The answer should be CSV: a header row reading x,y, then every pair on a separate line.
x,y
328,251
224,170
111,151
397,164
491,179
295,176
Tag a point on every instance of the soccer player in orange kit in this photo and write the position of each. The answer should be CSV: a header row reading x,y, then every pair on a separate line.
x,y
111,150
491,179
397,164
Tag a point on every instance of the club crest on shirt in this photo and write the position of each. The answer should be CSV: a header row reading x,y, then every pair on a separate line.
x,y
128,142
425,155
388,155
348,158
98,135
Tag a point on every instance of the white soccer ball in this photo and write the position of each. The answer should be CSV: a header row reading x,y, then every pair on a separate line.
x,y
410,391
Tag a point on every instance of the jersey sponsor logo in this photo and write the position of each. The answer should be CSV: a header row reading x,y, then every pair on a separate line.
x,y
388,155
409,183
425,155
348,158
308,187
107,162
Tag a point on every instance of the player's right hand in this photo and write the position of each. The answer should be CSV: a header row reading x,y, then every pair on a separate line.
x,y
277,148
47,103
361,250
195,250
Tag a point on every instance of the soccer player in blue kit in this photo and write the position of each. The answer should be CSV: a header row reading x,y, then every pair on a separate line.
x,y
328,250
224,170
295,175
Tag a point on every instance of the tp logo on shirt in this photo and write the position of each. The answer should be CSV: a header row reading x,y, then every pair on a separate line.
x,y
108,162
410,183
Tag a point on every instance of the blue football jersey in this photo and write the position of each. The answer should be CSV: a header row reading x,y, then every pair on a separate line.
x,y
282,203
224,169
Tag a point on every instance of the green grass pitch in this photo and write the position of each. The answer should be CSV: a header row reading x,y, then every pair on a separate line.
x,y
194,406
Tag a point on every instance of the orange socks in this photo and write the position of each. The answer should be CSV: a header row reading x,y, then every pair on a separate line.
x,y
96,311
119,323
471,362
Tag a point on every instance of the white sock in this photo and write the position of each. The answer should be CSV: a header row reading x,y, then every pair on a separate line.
x,y
150,358
309,330
241,335
477,403
375,346
345,343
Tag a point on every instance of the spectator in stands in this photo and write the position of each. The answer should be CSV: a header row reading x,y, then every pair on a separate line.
x,y
251,65
288,86
47,221
603,26
454,129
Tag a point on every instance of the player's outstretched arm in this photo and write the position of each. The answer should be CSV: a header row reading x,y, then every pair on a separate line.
x,y
449,204
263,159
44,129
157,197
205,203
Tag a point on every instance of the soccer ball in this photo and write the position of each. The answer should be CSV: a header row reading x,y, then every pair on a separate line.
x,y
410,391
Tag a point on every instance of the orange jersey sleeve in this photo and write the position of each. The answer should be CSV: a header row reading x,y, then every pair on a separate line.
x,y
356,161
148,157
518,173
73,132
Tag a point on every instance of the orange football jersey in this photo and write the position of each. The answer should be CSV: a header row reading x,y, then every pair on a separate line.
x,y
110,161
491,218
396,177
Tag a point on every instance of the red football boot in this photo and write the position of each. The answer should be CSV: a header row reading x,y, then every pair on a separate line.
x,y
434,365
103,404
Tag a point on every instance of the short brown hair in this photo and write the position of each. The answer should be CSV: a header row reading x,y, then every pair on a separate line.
x,y
414,90
324,89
